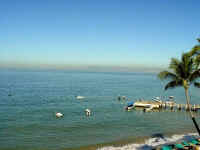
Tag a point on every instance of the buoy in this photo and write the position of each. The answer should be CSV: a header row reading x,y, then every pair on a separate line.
x,y
87,112
58,115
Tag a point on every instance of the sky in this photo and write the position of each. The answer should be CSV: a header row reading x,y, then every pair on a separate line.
x,y
96,33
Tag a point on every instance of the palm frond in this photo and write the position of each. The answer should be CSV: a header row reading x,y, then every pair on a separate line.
x,y
187,65
194,75
197,84
173,84
177,67
195,50
190,66
167,75
174,63
197,61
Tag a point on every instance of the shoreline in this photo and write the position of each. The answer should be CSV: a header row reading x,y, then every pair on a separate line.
x,y
142,143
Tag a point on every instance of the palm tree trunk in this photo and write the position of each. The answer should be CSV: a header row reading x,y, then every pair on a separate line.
x,y
191,114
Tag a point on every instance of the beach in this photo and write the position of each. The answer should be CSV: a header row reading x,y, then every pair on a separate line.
x,y
153,143
142,143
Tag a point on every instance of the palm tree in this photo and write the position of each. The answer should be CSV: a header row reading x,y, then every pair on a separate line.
x,y
184,73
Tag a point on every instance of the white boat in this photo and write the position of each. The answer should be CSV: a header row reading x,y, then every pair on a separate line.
x,y
170,101
157,99
87,112
146,104
139,104
129,106
80,97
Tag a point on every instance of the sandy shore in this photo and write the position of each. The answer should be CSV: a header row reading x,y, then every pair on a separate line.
x,y
154,142
140,143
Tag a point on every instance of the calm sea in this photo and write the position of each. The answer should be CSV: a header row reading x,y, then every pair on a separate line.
x,y
28,122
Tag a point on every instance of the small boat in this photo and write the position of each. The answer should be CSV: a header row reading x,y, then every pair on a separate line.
x,y
146,104
80,97
129,106
157,99
170,101
87,112
140,104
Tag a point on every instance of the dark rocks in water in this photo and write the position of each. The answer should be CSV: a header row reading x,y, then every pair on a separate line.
x,y
9,94
158,135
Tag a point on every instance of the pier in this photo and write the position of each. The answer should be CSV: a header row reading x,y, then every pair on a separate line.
x,y
166,105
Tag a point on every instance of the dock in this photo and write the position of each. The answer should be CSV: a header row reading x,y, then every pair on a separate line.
x,y
166,105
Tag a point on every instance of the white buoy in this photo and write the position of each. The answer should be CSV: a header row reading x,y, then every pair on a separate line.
x,y
59,115
87,112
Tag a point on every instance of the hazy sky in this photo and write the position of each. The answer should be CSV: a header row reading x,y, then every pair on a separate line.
x,y
97,32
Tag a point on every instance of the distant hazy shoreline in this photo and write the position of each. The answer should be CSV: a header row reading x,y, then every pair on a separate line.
x,y
84,68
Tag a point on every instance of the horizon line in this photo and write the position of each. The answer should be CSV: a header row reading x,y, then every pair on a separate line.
x,y
84,67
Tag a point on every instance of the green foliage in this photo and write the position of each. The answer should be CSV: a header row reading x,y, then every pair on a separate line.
x,y
195,51
184,71
197,61
166,75
173,84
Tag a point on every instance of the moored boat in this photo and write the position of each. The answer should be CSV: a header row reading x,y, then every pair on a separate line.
x,y
130,106
80,97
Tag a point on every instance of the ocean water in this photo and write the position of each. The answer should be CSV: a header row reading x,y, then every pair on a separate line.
x,y
27,118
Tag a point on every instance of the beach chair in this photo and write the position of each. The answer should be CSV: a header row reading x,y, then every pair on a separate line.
x,y
180,146
195,144
191,145
185,143
198,139
194,141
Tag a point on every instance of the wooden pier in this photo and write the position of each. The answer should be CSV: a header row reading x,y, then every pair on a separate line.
x,y
186,107
167,105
